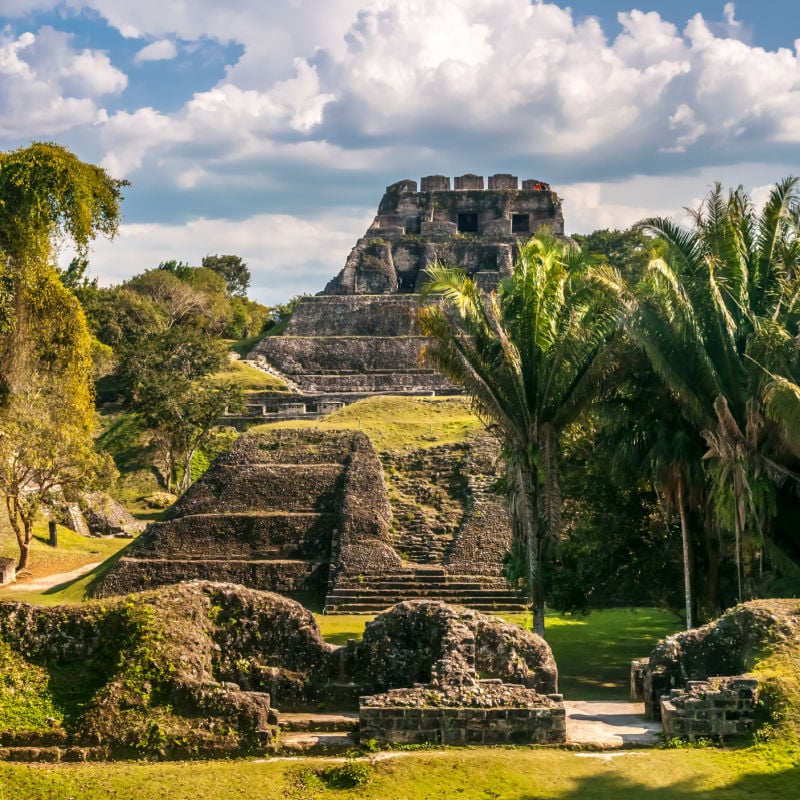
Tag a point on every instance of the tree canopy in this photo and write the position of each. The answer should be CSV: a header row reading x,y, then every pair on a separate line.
x,y
47,195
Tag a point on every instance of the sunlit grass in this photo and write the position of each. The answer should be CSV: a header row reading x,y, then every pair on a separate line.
x,y
73,551
399,423
247,378
468,774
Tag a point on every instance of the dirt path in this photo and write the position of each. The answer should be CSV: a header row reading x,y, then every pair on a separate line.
x,y
610,726
49,581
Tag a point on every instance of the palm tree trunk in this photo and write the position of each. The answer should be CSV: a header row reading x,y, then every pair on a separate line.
x,y
687,578
529,523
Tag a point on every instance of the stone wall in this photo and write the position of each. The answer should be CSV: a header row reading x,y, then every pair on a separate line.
x,y
353,346
726,646
489,713
717,708
441,651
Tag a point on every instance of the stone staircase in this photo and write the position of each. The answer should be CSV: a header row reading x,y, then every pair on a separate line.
x,y
261,363
371,593
312,734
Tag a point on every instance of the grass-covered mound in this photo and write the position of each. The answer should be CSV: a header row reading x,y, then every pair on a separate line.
x,y
156,673
762,638
399,423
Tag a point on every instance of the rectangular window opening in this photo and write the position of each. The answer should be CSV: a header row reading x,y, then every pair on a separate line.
x,y
468,223
520,223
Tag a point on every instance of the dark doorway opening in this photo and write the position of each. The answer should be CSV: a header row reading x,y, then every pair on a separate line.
x,y
520,223
467,223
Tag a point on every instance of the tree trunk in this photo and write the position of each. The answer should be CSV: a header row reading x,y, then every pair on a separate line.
x,y
687,578
527,507
25,546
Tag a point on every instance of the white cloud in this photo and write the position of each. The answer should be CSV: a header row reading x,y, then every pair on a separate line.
x,y
47,87
162,50
286,255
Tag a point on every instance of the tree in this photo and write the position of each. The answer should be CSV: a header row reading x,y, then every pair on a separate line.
x,y
181,414
44,461
529,357
166,380
716,316
233,269
46,391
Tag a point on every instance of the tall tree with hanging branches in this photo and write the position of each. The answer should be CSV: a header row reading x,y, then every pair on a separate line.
x,y
529,356
47,196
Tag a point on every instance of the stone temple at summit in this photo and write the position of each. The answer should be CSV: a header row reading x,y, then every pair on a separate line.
x,y
360,335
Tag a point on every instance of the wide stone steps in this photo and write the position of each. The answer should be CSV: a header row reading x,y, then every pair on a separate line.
x,y
376,592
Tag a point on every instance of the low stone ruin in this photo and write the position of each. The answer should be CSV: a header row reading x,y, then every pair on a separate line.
x,y
697,682
487,712
107,517
513,702
198,669
718,708
99,514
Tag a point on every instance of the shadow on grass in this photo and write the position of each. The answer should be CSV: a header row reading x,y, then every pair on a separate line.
x,y
88,580
754,786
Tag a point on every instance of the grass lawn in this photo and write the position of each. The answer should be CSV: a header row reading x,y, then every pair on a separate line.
x,y
247,378
467,774
593,653
73,551
399,423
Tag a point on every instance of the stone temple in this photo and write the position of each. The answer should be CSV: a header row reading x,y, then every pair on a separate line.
x,y
360,335
324,517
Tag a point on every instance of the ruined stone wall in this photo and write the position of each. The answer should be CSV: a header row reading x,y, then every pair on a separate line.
x,y
355,316
725,647
353,345
412,717
485,533
362,543
717,708
291,578
302,355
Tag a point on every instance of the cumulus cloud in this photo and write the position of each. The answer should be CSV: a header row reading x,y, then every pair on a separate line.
x,y
46,86
162,50
286,254
527,79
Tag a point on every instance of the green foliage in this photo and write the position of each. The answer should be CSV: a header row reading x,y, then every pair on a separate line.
x,y
530,357
25,703
46,352
629,251
233,270
47,193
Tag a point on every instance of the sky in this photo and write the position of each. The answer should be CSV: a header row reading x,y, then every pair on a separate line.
x,y
270,130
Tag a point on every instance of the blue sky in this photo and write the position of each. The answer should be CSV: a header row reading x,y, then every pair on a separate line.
x,y
271,130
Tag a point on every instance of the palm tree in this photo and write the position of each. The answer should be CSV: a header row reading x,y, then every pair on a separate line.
x,y
528,356
708,315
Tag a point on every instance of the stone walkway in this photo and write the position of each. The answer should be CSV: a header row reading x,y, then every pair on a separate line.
x,y
609,726
49,581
